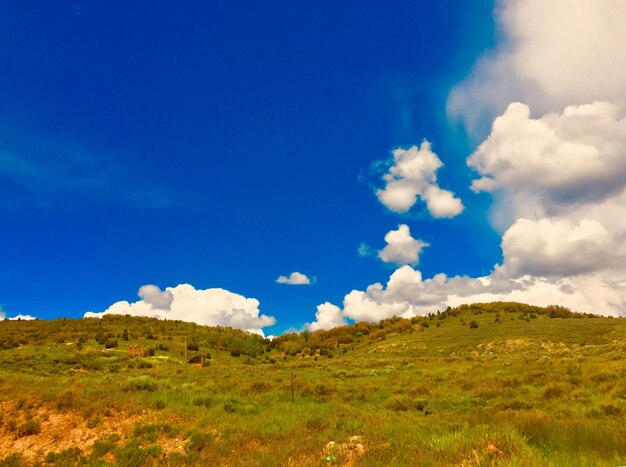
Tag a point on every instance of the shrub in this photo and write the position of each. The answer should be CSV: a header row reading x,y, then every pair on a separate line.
x,y
199,441
205,401
104,445
473,324
557,311
130,454
610,409
553,391
399,403
29,427
68,399
140,383
111,343
236,404
71,456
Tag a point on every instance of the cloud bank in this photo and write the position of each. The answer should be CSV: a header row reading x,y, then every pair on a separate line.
x,y
210,307
295,278
413,176
558,180
22,318
551,55
560,185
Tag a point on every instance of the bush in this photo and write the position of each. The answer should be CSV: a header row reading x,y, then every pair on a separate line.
x,y
199,441
140,383
238,405
473,324
403,404
71,456
29,427
111,343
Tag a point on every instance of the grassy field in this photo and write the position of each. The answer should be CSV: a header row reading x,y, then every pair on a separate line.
x,y
481,385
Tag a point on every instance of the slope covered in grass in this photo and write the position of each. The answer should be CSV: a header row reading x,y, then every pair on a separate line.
x,y
484,384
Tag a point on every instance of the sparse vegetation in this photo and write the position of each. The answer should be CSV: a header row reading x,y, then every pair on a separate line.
x,y
513,386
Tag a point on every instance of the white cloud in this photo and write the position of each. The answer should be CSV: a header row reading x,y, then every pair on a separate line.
x,y
407,294
413,175
561,247
295,278
551,54
557,160
327,316
22,318
3,316
559,181
160,300
211,307
401,247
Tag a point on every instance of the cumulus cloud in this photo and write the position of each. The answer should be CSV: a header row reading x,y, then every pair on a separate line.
x,y
22,318
412,176
401,247
551,54
561,247
160,300
211,307
327,316
407,294
561,184
574,157
558,180
588,293
295,278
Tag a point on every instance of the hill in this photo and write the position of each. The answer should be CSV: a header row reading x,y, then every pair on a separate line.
x,y
482,384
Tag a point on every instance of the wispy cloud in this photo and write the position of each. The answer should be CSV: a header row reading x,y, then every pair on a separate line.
x,y
45,170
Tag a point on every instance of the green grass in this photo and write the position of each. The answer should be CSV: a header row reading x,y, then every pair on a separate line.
x,y
516,388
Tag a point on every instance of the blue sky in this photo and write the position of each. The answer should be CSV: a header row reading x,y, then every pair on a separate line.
x,y
224,144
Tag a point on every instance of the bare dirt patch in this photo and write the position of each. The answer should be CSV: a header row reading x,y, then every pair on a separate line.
x,y
58,431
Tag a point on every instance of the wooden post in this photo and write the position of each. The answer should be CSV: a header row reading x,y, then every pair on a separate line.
x,y
186,350
292,388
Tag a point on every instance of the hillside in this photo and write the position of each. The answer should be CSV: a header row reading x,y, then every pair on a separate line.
x,y
485,384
